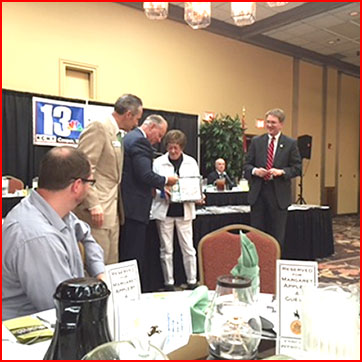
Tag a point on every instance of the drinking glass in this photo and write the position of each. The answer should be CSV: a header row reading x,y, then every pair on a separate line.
x,y
330,322
220,184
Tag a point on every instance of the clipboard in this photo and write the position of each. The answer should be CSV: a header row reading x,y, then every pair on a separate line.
x,y
187,189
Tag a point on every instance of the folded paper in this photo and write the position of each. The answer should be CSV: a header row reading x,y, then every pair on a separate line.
x,y
28,329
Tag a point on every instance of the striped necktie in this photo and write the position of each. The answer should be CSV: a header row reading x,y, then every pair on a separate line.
x,y
270,157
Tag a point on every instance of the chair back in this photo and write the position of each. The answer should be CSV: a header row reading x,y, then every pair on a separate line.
x,y
218,253
14,184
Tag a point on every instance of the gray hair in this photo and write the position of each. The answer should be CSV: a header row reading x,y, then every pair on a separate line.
x,y
128,102
276,112
155,119
175,136
219,159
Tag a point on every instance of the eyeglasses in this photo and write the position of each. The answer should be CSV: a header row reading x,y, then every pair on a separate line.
x,y
86,180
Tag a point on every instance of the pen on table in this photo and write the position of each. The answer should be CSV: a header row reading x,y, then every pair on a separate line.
x,y
52,325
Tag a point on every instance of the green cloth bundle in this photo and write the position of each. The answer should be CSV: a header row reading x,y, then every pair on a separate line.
x,y
199,301
248,263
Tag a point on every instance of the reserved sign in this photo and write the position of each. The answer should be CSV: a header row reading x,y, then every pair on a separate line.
x,y
123,281
292,276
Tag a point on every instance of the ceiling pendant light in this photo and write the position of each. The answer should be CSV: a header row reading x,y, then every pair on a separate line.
x,y
198,15
156,11
273,5
243,13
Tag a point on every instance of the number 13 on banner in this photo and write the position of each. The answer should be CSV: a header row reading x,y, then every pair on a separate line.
x,y
57,123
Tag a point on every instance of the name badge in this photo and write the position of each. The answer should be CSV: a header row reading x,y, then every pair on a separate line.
x,y
116,144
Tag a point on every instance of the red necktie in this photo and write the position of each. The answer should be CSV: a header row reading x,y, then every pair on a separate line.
x,y
270,157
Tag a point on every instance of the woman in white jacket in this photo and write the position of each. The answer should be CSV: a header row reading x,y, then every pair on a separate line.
x,y
180,215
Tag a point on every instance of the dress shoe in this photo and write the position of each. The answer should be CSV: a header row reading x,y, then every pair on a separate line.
x,y
191,286
169,288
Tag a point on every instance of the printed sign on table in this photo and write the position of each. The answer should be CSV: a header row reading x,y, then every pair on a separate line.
x,y
124,283
292,276
123,280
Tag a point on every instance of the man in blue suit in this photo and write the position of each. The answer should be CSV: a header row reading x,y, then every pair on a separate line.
x,y
138,180
270,180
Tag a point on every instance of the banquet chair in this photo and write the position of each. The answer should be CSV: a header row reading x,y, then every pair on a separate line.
x,y
218,253
14,184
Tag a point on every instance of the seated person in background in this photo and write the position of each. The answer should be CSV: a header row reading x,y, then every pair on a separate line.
x,y
220,172
41,234
169,215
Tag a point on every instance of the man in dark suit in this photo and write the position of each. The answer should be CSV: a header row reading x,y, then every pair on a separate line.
x,y
138,180
272,161
220,172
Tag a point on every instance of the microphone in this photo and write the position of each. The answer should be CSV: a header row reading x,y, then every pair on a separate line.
x,y
228,179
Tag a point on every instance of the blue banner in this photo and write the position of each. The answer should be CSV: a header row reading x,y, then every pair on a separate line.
x,y
57,123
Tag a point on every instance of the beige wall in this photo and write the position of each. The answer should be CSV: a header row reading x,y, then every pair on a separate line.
x,y
330,130
168,64
348,146
310,122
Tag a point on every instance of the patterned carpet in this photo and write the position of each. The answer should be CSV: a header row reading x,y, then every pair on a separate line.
x,y
343,267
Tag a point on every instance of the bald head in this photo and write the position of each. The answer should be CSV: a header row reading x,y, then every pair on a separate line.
x,y
60,166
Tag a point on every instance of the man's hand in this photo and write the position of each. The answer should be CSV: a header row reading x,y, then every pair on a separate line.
x,y
171,180
261,172
167,193
101,276
97,215
276,172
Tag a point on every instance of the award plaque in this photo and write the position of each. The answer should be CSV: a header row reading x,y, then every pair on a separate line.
x,y
187,189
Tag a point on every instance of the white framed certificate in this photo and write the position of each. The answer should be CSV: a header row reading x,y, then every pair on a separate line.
x,y
187,188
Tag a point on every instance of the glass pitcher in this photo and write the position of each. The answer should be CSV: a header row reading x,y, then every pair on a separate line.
x,y
233,326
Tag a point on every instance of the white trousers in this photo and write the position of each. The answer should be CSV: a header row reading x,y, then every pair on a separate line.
x,y
184,234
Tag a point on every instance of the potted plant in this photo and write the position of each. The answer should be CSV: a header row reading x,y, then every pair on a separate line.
x,y
222,138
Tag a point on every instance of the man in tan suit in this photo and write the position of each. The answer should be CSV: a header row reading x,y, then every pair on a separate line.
x,y
101,141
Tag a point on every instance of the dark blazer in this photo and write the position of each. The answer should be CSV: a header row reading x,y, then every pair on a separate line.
x,y
212,176
286,157
138,179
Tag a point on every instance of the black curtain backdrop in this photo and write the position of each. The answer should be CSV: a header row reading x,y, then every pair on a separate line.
x,y
20,158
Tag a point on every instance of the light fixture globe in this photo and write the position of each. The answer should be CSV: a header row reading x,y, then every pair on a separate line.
x,y
243,13
198,15
273,5
156,10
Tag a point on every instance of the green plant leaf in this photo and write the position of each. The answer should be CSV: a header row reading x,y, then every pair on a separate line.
x,y
223,137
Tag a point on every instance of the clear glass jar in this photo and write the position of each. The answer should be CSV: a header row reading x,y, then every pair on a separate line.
x,y
125,350
233,326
